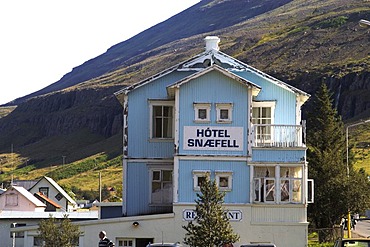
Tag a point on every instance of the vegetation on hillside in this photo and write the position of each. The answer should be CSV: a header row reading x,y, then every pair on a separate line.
x,y
338,186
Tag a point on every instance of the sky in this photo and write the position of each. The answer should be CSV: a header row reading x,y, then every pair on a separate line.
x,y
42,40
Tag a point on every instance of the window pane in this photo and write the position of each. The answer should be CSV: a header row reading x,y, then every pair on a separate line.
x,y
202,114
162,122
157,111
285,190
167,175
270,190
201,180
297,194
157,128
224,114
224,182
167,128
167,112
156,186
156,175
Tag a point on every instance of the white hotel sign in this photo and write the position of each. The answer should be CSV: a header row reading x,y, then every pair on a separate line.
x,y
213,138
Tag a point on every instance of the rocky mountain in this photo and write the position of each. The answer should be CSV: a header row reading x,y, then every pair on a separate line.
x,y
302,42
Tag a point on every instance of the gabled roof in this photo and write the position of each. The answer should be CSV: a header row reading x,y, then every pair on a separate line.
x,y
255,88
28,196
209,58
58,188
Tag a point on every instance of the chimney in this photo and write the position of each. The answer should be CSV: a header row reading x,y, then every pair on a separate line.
x,y
212,43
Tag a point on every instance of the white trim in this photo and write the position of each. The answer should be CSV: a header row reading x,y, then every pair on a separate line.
x,y
224,106
160,103
177,121
175,181
160,168
312,192
196,175
124,185
202,106
215,157
229,175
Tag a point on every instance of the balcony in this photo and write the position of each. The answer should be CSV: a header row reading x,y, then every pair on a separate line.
x,y
278,136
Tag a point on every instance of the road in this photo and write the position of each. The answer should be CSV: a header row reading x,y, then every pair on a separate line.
x,y
362,228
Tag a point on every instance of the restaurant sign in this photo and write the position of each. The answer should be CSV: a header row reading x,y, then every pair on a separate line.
x,y
233,215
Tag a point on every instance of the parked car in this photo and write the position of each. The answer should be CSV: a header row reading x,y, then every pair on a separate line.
x,y
349,242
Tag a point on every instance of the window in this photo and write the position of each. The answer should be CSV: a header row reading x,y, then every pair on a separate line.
x,y
199,177
202,112
310,191
59,196
38,241
262,115
11,199
290,184
161,186
269,186
161,120
125,243
44,190
224,112
224,180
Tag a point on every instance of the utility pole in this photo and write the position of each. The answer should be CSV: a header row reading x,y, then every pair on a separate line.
x,y
347,163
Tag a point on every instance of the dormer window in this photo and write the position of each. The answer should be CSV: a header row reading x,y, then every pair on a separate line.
x,y
202,112
224,112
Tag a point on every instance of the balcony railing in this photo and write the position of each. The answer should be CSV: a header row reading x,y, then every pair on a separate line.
x,y
282,136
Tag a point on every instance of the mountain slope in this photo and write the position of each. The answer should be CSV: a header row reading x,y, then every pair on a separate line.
x,y
201,18
301,42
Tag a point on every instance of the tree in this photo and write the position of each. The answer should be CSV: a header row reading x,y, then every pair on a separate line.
x,y
212,227
335,191
59,233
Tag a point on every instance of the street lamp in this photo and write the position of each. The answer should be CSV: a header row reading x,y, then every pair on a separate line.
x,y
364,23
349,212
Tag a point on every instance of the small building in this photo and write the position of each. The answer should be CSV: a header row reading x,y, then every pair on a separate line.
x,y
52,190
17,198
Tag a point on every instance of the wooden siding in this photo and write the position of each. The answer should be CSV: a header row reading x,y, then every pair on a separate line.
x,y
274,214
137,189
213,88
139,144
240,179
285,111
278,155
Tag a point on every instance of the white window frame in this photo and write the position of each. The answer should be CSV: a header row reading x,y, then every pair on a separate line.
x,y
310,193
153,103
265,104
294,183
202,106
224,106
229,175
161,170
125,239
199,174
